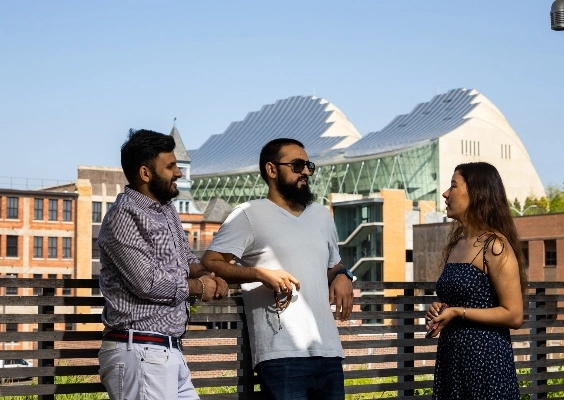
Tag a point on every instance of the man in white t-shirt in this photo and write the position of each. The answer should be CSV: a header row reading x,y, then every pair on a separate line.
x,y
283,251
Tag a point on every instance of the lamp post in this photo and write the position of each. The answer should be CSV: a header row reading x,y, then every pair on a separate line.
x,y
522,212
557,15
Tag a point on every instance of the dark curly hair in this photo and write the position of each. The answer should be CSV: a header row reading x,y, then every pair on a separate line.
x,y
142,147
271,153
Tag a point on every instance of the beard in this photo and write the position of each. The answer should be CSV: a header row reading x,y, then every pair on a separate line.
x,y
292,192
161,188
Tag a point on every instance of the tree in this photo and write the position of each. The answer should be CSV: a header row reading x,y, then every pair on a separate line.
x,y
555,197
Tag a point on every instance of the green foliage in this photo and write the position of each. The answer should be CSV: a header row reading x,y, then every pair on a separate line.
x,y
554,381
65,380
217,390
552,203
384,380
555,198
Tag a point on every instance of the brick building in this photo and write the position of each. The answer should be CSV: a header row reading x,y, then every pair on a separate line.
x,y
542,237
38,239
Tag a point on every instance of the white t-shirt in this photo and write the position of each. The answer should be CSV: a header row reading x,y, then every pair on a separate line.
x,y
260,233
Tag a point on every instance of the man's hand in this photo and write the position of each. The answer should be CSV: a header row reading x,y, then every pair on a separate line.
x,y
221,287
209,286
341,293
278,280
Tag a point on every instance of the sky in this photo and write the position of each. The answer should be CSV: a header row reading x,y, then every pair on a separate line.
x,y
75,76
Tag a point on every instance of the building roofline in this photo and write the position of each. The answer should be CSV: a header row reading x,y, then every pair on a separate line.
x,y
32,193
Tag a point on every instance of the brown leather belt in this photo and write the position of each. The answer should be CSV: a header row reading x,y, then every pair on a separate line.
x,y
144,338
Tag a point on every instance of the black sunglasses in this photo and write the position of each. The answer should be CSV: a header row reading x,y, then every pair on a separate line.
x,y
299,165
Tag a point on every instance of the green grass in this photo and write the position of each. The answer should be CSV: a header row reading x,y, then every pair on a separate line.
x,y
550,395
383,394
65,380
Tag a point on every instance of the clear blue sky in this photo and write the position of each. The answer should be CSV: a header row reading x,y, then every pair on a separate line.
x,y
76,75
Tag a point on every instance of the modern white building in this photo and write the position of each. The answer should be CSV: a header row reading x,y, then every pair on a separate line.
x,y
416,152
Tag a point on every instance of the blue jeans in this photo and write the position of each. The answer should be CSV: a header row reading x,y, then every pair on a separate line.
x,y
307,378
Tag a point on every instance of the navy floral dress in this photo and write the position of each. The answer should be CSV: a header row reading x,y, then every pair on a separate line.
x,y
474,361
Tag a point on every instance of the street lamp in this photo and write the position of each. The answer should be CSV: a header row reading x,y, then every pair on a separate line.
x,y
557,16
522,212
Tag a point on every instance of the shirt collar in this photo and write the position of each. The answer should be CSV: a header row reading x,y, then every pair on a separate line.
x,y
144,201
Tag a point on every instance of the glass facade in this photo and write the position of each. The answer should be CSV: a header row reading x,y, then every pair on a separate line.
x,y
360,231
415,170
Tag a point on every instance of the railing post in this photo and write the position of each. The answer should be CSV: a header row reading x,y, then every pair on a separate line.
x,y
538,344
46,345
407,364
246,371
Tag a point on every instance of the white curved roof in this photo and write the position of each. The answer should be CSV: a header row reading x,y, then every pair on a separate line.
x,y
428,121
318,124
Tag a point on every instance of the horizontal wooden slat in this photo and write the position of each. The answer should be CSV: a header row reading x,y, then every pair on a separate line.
x,y
541,315
25,390
51,371
68,336
386,372
49,318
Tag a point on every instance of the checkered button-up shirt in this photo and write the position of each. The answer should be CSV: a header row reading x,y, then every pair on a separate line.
x,y
145,266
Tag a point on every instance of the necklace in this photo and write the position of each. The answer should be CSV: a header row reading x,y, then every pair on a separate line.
x,y
281,305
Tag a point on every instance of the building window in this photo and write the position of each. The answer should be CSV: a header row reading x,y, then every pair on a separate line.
x,y
68,326
67,210
11,246
96,211
52,276
506,151
470,147
95,249
38,209
408,255
11,327
96,291
38,247
195,245
66,290
12,208
52,248
550,253
11,291
37,291
67,243
53,205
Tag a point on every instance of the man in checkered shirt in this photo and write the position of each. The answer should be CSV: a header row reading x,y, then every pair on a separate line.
x,y
148,274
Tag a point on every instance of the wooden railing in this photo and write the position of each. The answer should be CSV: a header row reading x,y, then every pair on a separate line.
x,y
387,353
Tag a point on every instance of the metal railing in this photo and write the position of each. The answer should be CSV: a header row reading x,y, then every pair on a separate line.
x,y
384,341
11,182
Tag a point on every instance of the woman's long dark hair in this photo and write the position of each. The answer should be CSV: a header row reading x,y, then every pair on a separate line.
x,y
488,209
